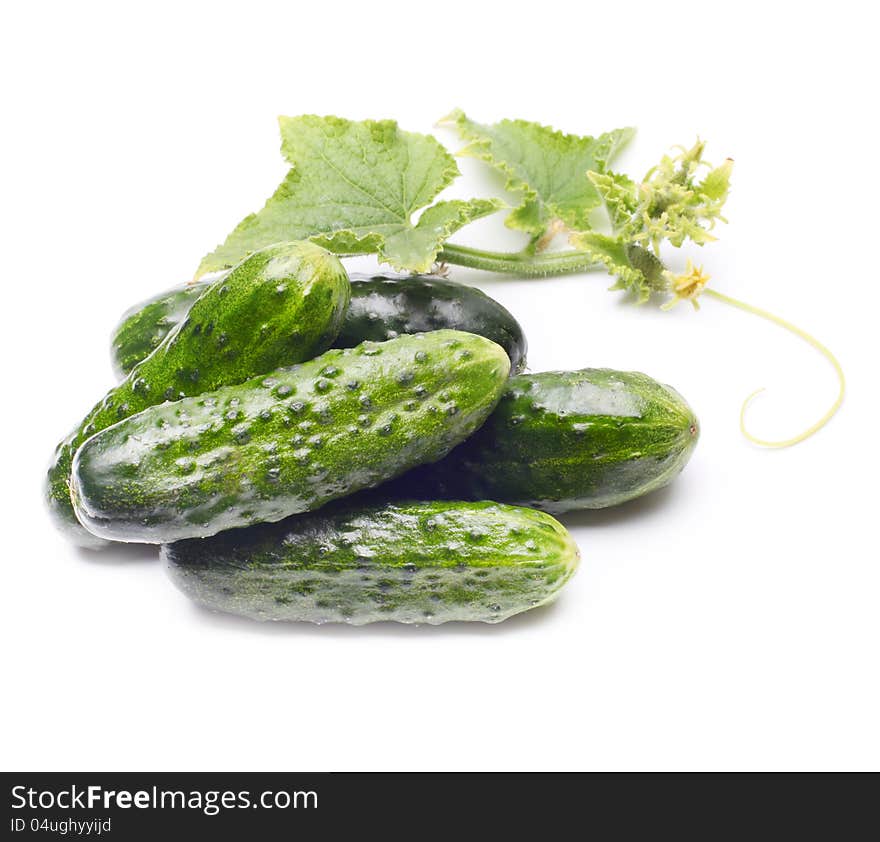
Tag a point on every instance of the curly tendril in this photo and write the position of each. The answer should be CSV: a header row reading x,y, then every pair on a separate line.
x,y
808,338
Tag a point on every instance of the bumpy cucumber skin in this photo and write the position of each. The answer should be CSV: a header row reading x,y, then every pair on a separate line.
x,y
280,306
408,562
286,443
142,328
382,307
563,440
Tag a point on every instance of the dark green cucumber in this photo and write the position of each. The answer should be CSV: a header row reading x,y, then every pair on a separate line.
x,y
287,443
406,562
382,307
565,440
385,306
281,305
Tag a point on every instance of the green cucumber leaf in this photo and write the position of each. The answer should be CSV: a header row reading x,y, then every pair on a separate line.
x,y
353,187
548,168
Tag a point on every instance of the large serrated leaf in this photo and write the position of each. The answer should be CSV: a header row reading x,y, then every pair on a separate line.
x,y
548,168
354,187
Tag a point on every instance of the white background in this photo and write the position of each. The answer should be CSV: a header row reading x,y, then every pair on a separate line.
x,y
730,622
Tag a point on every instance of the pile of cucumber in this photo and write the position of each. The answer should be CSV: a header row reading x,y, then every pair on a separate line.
x,y
309,446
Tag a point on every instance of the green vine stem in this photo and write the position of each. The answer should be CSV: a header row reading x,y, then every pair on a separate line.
x,y
518,263
811,340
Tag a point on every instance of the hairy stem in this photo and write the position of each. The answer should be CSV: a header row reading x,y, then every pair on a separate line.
x,y
811,340
518,263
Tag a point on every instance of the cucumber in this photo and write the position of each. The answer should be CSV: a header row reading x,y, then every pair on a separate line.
x,y
289,442
407,562
382,307
563,440
281,305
